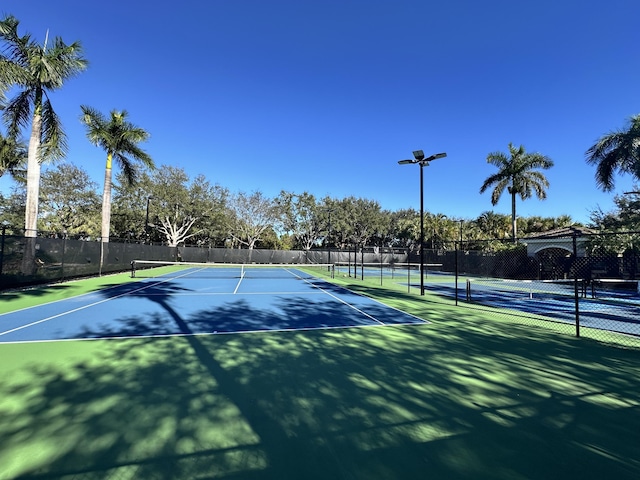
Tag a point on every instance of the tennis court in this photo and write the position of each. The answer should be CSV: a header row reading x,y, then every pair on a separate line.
x,y
427,390
603,305
198,299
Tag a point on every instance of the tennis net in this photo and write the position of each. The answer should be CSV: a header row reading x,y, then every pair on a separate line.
x,y
387,269
478,288
487,288
187,270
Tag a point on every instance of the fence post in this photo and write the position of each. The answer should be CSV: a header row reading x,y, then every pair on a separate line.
x,y
456,259
64,247
575,282
4,231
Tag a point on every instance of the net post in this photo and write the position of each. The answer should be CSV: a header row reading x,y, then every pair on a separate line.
x,y
133,269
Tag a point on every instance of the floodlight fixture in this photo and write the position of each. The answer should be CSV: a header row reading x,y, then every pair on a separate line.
x,y
425,162
406,162
418,154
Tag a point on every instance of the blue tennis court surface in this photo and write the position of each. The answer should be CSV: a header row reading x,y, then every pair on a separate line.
x,y
601,307
185,305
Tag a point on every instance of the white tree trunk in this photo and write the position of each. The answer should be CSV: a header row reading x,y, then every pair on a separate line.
x,y
33,192
106,201
33,179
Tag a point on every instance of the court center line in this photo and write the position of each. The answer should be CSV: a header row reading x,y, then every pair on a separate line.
x,y
325,291
239,282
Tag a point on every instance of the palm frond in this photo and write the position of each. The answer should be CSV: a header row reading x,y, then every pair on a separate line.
x,y
13,155
17,113
53,140
499,189
97,126
128,167
63,62
616,151
497,159
15,47
493,179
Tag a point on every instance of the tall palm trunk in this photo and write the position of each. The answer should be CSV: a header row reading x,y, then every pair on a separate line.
x,y
33,192
106,200
106,213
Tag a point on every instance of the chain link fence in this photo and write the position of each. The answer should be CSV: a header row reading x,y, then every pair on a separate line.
x,y
580,284
584,284
575,283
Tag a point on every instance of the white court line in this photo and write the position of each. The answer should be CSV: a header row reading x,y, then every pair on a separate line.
x,y
373,300
238,284
328,293
211,334
345,303
235,291
364,296
205,294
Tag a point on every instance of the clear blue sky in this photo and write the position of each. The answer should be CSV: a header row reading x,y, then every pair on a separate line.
x,y
326,96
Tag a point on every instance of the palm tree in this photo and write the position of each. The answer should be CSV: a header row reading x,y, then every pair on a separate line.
x,y
119,138
13,155
516,173
36,70
493,225
617,150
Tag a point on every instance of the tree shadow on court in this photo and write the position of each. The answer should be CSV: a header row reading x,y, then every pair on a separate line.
x,y
10,295
456,399
288,312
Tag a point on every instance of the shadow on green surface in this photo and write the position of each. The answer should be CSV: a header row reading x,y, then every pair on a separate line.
x,y
10,295
30,296
458,399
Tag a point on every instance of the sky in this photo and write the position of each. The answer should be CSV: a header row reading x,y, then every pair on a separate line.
x,y
325,96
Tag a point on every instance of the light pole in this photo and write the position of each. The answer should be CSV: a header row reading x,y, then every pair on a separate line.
x,y
423,162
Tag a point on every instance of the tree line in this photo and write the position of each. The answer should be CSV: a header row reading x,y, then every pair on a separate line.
x,y
167,206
